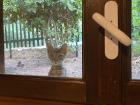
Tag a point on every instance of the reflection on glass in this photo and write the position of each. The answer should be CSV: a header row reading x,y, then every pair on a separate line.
x,y
43,37
136,39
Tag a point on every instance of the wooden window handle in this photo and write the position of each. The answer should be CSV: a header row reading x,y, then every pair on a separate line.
x,y
112,29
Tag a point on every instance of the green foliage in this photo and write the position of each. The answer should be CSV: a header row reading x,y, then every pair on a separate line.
x,y
136,27
136,13
136,19
136,49
59,19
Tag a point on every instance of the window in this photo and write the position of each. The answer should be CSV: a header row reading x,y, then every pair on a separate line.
x,y
43,38
131,87
136,39
24,84
100,78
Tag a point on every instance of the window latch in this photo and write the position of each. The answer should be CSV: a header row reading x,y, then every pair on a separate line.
x,y
112,33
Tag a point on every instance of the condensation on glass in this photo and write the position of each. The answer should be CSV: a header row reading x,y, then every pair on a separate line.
x,y
43,37
136,39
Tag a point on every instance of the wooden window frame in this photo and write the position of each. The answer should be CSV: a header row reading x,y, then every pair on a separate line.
x,y
59,89
131,87
101,77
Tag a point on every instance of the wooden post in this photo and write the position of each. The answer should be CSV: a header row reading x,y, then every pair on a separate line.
x,y
33,37
37,37
9,40
5,36
13,35
42,38
21,39
29,38
17,34
25,37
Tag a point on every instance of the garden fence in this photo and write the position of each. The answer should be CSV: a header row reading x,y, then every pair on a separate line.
x,y
17,35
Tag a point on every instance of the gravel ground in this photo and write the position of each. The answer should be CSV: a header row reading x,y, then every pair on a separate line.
x,y
136,67
34,61
41,67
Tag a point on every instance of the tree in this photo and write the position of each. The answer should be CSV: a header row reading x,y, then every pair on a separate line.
x,y
59,19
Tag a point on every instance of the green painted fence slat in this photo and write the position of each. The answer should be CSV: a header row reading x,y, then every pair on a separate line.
x,y
17,35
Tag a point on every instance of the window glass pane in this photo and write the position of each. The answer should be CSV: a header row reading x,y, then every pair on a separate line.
x,y
136,39
43,37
